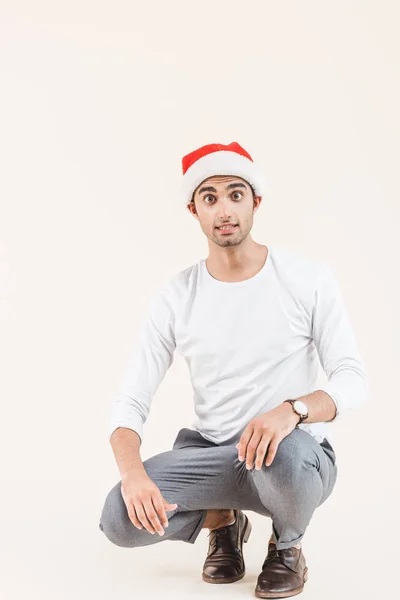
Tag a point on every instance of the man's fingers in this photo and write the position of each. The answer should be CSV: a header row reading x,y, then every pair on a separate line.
x,y
147,513
158,502
152,516
141,514
261,450
251,449
133,517
273,447
242,444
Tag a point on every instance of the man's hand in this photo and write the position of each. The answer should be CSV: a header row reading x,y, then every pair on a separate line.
x,y
145,504
265,432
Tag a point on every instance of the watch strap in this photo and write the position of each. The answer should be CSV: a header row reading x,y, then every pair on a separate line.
x,y
301,417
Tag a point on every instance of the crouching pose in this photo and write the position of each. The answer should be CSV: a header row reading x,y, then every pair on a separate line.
x,y
253,323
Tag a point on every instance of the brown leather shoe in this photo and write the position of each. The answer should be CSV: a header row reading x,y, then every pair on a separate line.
x,y
224,562
283,574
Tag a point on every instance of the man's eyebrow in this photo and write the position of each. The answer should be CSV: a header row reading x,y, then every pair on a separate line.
x,y
212,189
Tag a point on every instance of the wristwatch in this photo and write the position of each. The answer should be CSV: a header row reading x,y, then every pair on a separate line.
x,y
300,409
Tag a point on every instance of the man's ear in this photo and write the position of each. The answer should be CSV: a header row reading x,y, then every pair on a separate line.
x,y
256,203
192,208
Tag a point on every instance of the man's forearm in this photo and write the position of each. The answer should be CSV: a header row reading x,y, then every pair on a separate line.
x,y
126,447
320,405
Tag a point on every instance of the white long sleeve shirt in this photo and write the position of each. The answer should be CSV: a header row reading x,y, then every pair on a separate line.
x,y
249,345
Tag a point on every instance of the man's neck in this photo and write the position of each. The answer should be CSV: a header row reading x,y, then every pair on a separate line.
x,y
226,266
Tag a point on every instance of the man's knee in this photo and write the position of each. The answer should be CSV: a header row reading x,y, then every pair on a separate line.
x,y
114,521
295,451
290,488
293,461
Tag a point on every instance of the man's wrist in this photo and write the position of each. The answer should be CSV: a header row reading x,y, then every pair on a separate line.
x,y
288,408
133,472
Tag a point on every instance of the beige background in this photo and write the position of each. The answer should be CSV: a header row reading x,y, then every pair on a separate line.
x,y
99,102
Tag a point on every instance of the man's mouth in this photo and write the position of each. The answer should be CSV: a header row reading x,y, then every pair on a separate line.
x,y
227,227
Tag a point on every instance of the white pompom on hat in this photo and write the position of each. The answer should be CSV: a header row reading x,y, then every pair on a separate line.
x,y
219,159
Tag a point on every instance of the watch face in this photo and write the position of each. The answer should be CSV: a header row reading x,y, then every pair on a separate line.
x,y
300,407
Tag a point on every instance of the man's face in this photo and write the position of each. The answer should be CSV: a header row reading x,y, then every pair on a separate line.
x,y
221,200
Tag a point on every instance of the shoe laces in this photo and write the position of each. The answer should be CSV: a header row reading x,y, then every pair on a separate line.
x,y
220,532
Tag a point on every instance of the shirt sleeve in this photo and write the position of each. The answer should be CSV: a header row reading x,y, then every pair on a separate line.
x,y
148,363
348,384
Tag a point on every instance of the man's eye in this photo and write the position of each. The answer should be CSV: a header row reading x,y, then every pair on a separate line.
x,y
211,196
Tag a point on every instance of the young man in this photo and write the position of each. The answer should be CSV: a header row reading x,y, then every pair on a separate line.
x,y
251,322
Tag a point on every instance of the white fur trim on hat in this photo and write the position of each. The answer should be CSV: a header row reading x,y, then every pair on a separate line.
x,y
222,162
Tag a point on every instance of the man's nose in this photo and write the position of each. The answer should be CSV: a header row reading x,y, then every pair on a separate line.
x,y
224,211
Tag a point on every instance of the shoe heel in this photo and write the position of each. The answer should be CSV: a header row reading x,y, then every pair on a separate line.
x,y
247,531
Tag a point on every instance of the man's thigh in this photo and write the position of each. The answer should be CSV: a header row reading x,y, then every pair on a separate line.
x,y
196,474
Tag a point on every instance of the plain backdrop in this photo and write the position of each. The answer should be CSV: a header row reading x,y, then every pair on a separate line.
x,y
99,102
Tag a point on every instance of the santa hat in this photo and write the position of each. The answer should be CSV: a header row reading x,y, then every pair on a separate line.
x,y
219,159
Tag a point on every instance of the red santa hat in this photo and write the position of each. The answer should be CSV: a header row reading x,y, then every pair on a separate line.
x,y
219,159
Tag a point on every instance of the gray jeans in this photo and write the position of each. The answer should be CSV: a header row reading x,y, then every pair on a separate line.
x,y
198,475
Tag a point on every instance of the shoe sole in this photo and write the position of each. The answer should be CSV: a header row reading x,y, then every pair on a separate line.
x,y
245,537
284,594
